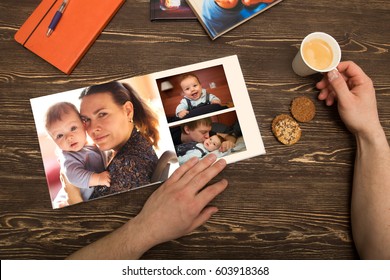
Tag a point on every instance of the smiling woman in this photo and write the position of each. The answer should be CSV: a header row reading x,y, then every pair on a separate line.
x,y
116,119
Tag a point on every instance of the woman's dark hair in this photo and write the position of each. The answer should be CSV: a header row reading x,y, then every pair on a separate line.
x,y
144,118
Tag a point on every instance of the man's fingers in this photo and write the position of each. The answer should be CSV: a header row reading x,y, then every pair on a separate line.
x,y
194,171
203,164
210,192
340,87
202,178
204,198
179,173
203,217
350,69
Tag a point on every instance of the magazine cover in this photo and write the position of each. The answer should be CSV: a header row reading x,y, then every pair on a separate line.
x,y
122,135
170,10
220,16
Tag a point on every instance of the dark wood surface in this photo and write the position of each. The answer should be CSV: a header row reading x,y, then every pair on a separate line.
x,y
292,203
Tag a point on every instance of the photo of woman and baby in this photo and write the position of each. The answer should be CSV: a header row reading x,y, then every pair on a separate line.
x,y
101,140
122,135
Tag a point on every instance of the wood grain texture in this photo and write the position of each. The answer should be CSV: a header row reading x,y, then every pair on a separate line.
x,y
292,203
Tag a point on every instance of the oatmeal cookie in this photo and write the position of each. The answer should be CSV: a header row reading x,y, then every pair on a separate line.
x,y
286,129
303,109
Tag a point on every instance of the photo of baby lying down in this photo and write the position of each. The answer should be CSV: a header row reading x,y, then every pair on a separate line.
x,y
194,149
219,134
211,145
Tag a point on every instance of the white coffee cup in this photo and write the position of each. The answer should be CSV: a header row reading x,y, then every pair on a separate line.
x,y
307,61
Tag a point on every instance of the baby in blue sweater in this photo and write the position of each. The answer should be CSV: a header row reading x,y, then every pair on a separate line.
x,y
194,94
82,164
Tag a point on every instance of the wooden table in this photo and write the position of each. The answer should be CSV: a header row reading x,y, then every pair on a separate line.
x,y
292,203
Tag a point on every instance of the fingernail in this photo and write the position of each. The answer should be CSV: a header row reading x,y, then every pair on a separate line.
x,y
332,75
212,157
194,159
221,162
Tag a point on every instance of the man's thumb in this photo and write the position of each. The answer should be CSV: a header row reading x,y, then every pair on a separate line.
x,y
338,83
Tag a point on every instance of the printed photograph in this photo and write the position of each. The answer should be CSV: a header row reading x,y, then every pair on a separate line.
x,y
102,140
170,10
191,94
220,16
219,134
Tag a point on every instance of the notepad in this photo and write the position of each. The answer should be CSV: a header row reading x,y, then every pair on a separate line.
x,y
80,25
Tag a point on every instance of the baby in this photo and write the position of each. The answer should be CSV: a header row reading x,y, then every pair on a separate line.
x,y
194,95
193,149
82,164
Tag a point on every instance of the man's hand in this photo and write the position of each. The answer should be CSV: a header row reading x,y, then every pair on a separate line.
x,y
180,205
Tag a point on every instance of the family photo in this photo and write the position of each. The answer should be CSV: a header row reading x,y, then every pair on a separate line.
x,y
122,135
102,140
191,94
219,134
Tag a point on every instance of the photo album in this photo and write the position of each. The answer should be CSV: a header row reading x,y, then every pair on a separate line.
x,y
122,135
220,16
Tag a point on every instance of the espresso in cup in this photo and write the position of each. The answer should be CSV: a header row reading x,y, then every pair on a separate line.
x,y
319,52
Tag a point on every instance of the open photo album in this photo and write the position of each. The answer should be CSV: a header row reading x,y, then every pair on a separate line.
x,y
110,138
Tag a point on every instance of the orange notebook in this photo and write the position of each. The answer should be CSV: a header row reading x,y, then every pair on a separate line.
x,y
81,23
